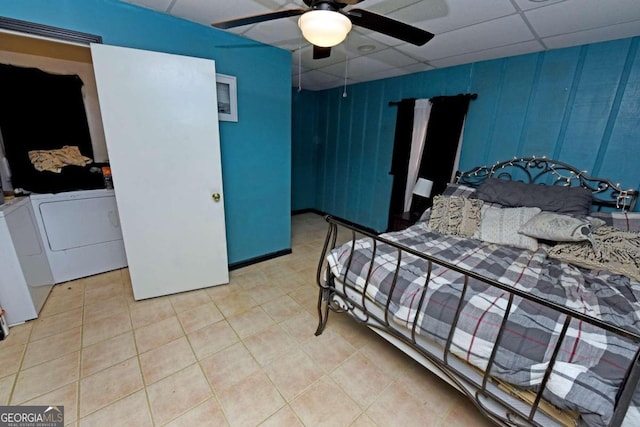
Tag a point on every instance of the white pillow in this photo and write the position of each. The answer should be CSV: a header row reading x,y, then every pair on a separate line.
x,y
501,225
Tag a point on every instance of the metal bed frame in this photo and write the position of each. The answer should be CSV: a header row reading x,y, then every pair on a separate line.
x,y
487,393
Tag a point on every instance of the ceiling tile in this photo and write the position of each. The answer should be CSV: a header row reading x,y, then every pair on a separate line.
x,y
498,52
578,15
274,31
533,4
461,13
630,29
487,35
206,12
159,5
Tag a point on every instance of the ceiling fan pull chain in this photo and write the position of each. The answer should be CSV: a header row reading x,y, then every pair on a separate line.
x,y
346,70
299,69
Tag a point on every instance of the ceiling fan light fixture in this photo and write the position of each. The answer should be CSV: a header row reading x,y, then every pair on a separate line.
x,y
324,28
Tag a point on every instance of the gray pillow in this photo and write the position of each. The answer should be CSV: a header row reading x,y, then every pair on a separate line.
x,y
551,198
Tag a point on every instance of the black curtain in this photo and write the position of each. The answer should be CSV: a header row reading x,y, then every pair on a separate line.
x,y
43,111
443,134
441,145
400,159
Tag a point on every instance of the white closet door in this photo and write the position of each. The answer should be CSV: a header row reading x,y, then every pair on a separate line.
x,y
160,120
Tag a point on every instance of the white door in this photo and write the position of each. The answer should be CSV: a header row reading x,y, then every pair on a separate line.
x,y
160,120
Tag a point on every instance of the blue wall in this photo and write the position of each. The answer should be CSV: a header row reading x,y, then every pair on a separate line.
x,y
256,151
580,105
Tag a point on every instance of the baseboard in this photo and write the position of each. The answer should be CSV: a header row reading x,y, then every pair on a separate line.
x,y
346,221
261,258
307,210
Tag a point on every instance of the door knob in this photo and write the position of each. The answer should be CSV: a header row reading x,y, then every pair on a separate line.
x,y
215,197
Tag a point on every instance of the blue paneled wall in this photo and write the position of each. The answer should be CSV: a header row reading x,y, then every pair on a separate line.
x,y
580,105
256,151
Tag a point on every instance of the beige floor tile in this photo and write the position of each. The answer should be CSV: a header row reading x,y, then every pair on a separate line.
x,y
52,347
250,322
101,330
313,406
220,291
465,414
328,350
361,380
212,338
386,356
18,334
267,292
165,360
73,287
66,396
11,357
61,301
106,309
51,325
206,414
46,377
133,410
109,385
178,393
270,344
357,334
107,353
189,300
157,334
282,309
235,303
150,311
397,406
6,387
364,421
285,417
428,388
229,366
103,280
301,327
199,317
101,292
251,401
292,373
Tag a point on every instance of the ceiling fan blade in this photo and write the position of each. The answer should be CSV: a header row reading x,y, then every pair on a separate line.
x,y
254,19
321,52
388,26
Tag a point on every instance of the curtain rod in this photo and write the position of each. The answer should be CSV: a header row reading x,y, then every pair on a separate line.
x,y
393,103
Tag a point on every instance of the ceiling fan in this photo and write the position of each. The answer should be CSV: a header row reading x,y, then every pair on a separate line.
x,y
325,24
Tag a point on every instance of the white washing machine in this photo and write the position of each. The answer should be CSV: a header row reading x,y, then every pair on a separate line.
x,y
25,276
81,232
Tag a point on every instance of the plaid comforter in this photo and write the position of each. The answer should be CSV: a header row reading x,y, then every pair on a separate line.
x,y
592,362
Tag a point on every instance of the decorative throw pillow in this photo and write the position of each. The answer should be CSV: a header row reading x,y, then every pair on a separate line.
x,y
550,198
501,225
615,251
625,221
557,228
457,216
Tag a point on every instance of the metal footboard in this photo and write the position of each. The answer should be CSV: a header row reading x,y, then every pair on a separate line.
x,y
493,398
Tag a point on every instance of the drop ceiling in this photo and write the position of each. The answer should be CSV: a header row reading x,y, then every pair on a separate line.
x,y
465,31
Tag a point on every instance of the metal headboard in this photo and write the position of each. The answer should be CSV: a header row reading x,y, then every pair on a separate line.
x,y
540,170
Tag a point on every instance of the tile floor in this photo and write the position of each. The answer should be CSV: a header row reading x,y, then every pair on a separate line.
x,y
242,354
